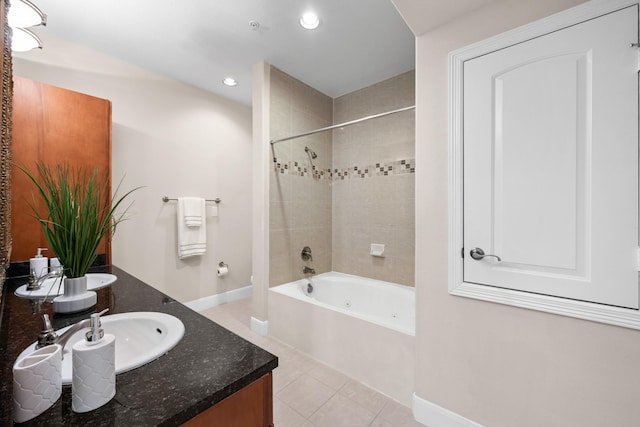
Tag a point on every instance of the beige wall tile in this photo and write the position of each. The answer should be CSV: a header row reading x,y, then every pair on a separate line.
x,y
300,205
376,209
340,218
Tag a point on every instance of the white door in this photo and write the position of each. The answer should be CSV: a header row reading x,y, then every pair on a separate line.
x,y
551,163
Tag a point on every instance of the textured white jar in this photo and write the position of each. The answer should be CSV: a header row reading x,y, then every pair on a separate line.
x,y
37,382
93,382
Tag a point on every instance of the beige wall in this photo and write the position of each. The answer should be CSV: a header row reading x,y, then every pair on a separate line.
x,y
175,140
373,202
300,187
494,364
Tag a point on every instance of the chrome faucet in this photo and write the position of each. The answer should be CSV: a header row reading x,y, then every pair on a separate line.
x,y
48,336
308,270
36,282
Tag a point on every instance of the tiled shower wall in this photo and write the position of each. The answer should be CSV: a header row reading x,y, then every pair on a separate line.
x,y
373,183
300,198
359,190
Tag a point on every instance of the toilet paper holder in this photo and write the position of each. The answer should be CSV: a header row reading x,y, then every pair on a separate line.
x,y
223,269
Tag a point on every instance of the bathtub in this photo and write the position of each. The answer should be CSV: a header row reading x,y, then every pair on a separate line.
x,y
362,327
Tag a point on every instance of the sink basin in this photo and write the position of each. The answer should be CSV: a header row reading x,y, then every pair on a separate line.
x,y
141,337
49,287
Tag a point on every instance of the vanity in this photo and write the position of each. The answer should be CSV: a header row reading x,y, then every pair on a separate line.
x,y
212,377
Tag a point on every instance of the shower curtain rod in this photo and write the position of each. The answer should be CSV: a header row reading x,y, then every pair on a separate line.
x,y
352,122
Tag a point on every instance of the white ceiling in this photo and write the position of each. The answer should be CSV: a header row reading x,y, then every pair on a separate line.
x,y
359,42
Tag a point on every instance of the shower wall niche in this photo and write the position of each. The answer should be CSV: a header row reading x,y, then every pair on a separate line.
x,y
359,189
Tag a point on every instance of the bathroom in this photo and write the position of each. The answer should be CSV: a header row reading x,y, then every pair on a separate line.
x,y
491,363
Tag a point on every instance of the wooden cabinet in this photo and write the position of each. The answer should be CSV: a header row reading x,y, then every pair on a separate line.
x,y
250,407
52,125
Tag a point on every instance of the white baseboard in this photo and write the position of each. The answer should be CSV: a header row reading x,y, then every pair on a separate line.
x,y
214,300
260,327
432,415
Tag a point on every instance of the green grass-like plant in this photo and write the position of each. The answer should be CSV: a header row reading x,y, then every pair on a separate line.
x,y
78,214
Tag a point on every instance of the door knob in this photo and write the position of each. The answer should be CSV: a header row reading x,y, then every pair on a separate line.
x,y
478,254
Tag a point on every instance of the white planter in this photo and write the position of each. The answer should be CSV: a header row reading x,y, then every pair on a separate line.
x,y
76,297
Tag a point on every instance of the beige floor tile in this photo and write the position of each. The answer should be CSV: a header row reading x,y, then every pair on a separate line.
x,y
380,422
364,396
396,414
340,411
276,347
305,395
301,360
334,379
285,416
285,375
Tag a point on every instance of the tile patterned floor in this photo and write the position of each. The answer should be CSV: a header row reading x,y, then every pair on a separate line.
x,y
308,393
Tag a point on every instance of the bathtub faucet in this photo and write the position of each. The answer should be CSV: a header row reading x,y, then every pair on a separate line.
x,y
308,270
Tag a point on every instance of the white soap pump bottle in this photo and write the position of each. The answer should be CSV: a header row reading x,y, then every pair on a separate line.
x,y
39,264
93,381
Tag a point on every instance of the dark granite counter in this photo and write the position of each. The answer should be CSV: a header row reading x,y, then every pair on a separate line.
x,y
209,364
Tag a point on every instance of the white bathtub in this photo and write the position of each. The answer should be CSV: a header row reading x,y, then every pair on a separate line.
x,y
362,327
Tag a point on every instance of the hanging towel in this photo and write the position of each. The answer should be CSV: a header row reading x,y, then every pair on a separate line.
x,y
193,210
192,240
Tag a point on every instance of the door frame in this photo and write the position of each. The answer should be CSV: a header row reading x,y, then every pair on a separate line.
x,y
625,317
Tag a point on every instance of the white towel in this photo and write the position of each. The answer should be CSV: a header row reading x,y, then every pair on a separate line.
x,y
193,210
192,241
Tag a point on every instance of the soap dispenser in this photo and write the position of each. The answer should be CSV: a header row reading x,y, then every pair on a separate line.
x,y
93,381
39,263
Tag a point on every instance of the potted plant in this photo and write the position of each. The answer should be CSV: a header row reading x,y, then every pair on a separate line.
x,y
79,214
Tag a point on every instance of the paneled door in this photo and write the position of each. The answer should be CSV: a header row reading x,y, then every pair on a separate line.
x,y
550,142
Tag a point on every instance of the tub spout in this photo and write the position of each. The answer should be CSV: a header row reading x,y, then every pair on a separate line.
x,y
308,270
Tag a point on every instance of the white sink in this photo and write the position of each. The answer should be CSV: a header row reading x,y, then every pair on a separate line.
x,y
141,337
51,287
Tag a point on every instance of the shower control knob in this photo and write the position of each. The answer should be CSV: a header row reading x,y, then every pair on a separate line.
x,y
306,254
478,254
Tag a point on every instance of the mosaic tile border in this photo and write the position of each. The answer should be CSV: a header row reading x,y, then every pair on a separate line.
x,y
296,169
397,167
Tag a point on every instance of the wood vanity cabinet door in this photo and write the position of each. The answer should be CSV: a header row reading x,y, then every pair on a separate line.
x,y
250,407
52,125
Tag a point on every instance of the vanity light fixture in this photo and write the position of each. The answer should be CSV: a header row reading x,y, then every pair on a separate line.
x,y
309,21
230,81
24,40
23,14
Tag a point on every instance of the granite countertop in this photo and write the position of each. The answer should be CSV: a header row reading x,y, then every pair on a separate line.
x,y
207,365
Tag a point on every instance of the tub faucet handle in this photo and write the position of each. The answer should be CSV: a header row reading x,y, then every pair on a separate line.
x,y
306,254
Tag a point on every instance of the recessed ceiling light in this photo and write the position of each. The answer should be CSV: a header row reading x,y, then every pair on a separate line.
x,y
230,81
310,21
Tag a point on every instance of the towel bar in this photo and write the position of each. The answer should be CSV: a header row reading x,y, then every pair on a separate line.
x,y
167,199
